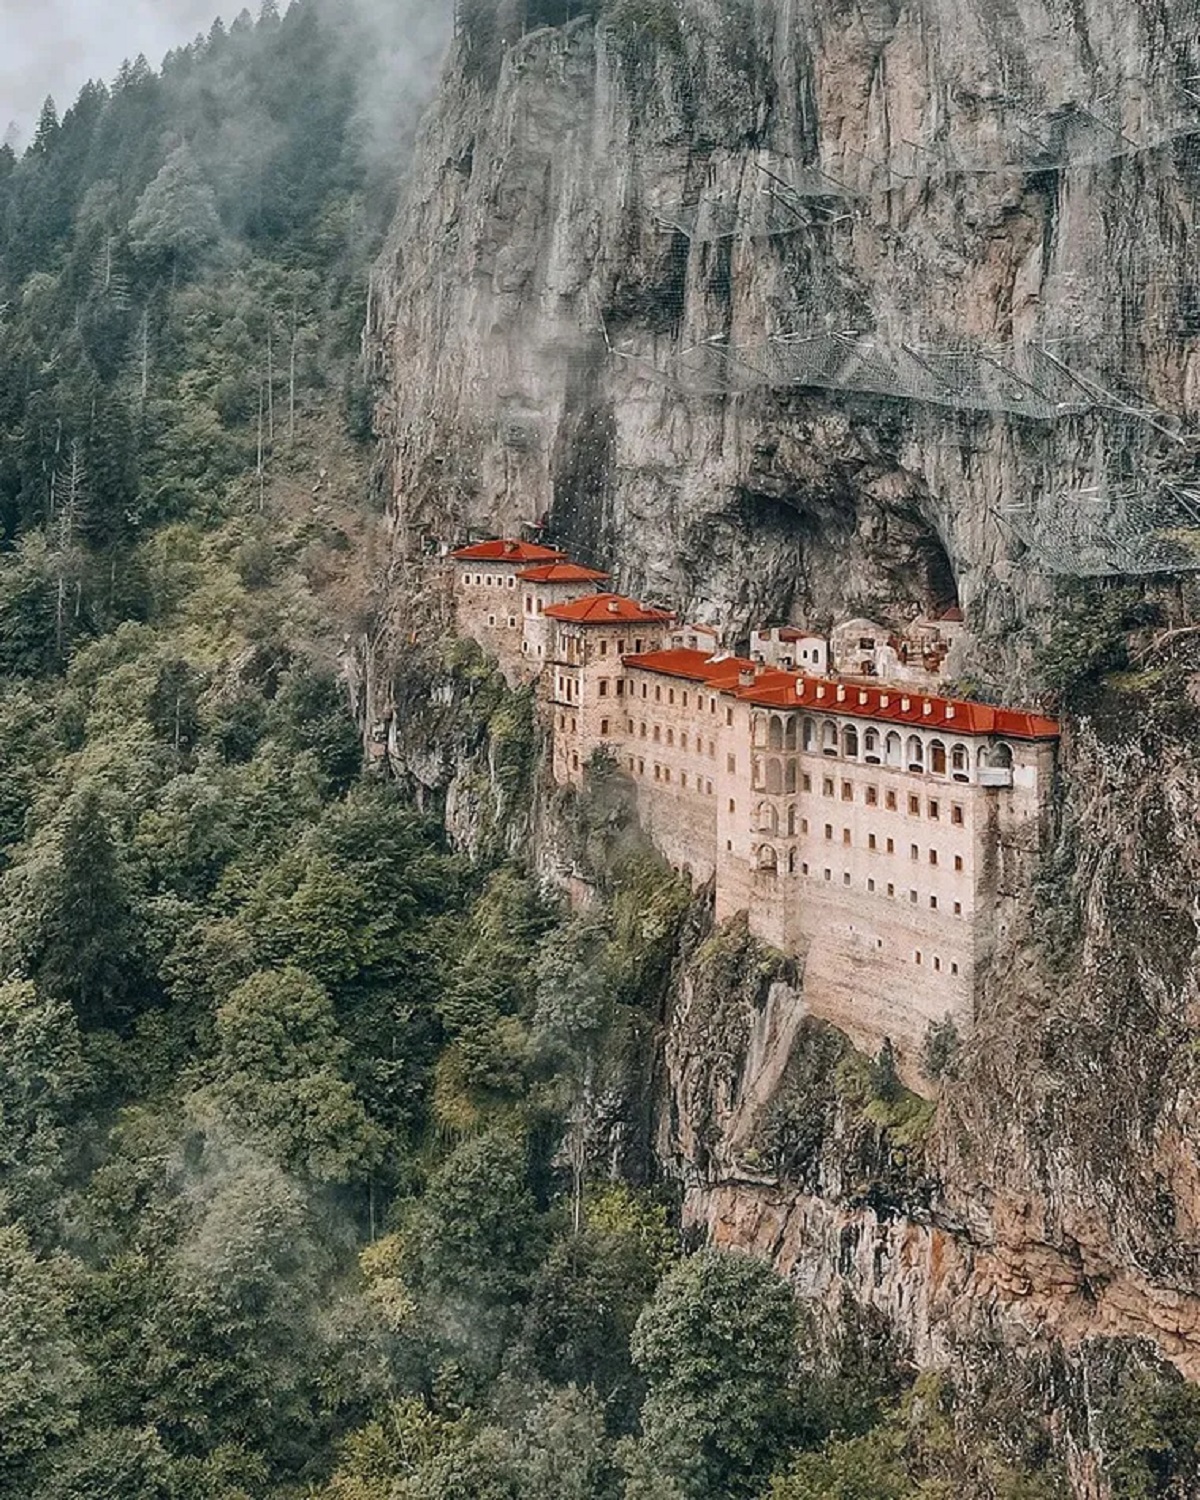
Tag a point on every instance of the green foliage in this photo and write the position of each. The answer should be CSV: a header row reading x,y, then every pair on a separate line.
x,y
1151,1432
280,1078
939,1050
176,217
1089,638
41,1376
715,1346
635,23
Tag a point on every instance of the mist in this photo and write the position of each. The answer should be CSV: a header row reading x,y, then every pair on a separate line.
x,y
55,46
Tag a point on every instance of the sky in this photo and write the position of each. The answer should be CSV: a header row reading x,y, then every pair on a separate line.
x,y
55,46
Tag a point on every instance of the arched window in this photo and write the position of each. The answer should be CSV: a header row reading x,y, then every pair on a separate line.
x,y
768,861
1001,756
894,752
774,777
937,758
767,818
759,779
915,754
960,762
850,742
670,736
790,732
789,778
791,864
775,733
760,730
791,821
871,746
829,738
808,734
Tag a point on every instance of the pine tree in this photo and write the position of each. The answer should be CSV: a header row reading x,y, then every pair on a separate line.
x,y
176,217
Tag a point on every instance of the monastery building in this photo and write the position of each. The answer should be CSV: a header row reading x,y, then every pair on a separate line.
x,y
877,831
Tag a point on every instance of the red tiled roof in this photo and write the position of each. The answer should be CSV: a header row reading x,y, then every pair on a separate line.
x,y
696,666
779,689
607,609
887,703
504,549
562,572
953,616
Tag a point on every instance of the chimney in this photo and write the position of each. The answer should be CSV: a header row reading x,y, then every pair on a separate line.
x,y
799,687
885,700
862,699
613,607
820,689
926,708
905,705
746,677
841,692
949,710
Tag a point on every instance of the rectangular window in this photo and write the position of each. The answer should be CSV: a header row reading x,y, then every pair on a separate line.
x,y
804,869
641,767
891,889
845,835
913,852
803,825
658,734
954,968
658,773
870,885
933,906
657,693
670,695
732,805
603,726
891,846
917,956
729,716
642,730
872,842
958,861
604,687
912,897
827,787
603,648
872,796
846,877
683,740
620,648
937,966
637,648
645,690
847,791
807,782
731,764
683,778
685,699
708,788
828,874
666,773
712,749
958,908
890,801
935,810
914,807
620,687
933,856
956,814
829,833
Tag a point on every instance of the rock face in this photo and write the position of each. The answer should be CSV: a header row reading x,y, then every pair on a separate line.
x,y
965,224
588,236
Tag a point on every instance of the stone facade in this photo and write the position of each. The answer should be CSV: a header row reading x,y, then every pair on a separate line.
x,y
881,833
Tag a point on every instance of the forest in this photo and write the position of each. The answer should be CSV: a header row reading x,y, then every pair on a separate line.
x,y
306,1179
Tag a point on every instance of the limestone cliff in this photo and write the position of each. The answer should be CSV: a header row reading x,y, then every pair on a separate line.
x,y
586,217
618,232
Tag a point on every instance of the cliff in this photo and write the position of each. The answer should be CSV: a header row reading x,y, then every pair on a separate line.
x,y
620,238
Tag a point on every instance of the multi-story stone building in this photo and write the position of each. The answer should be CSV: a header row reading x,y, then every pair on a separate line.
x,y
881,834
488,603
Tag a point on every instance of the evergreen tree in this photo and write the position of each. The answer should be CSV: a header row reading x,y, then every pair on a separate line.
x,y
176,220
